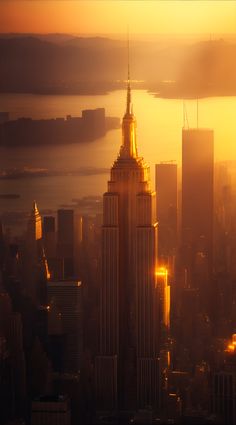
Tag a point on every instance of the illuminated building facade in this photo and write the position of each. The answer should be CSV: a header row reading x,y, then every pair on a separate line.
x,y
164,299
197,197
127,367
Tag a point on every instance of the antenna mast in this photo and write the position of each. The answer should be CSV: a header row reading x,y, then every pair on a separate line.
x,y
128,105
128,58
185,116
197,112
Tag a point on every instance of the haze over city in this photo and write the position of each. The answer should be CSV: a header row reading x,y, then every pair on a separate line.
x,y
112,17
117,212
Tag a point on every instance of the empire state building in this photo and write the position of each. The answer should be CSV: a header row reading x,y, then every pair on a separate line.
x,y
126,370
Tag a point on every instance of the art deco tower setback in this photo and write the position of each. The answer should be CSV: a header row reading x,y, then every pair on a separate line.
x,y
127,367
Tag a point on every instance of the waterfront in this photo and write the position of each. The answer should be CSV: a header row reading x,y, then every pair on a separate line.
x,y
159,126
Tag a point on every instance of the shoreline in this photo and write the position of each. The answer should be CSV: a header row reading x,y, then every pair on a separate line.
x,y
156,93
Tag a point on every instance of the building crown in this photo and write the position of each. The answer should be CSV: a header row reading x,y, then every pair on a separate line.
x,y
129,147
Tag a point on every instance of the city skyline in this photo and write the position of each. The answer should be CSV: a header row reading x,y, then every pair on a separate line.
x,y
121,308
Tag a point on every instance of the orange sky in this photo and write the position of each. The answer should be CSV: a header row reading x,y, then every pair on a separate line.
x,y
85,16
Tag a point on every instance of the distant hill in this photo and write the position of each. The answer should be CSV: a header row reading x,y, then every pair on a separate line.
x,y
56,38
60,63
31,64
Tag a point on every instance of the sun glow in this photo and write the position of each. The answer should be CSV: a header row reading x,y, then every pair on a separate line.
x,y
150,17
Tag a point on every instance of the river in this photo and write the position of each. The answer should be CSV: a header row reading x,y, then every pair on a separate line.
x,y
159,126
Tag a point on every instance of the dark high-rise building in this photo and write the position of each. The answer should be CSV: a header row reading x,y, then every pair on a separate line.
x,y
65,317
49,237
65,242
12,360
94,122
197,197
127,369
78,231
166,190
48,224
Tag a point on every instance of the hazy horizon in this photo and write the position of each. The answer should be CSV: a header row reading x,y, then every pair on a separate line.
x,y
113,17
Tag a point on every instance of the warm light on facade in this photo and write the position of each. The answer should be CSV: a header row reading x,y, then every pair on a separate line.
x,y
231,347
161,271
161,274
168,359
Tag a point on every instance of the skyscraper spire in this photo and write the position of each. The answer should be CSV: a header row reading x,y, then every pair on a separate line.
x,y
128,105
129,147
35,223
35,211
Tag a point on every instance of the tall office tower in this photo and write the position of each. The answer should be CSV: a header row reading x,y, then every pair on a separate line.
x,y
65,242
197,198
11,330
94,122
127,368
49,236
6,373
78,229
65,317
7,395
15,344
166,189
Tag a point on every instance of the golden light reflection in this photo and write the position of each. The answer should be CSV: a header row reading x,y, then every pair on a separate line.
x,y
48,274
231,347
161,274
161,271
